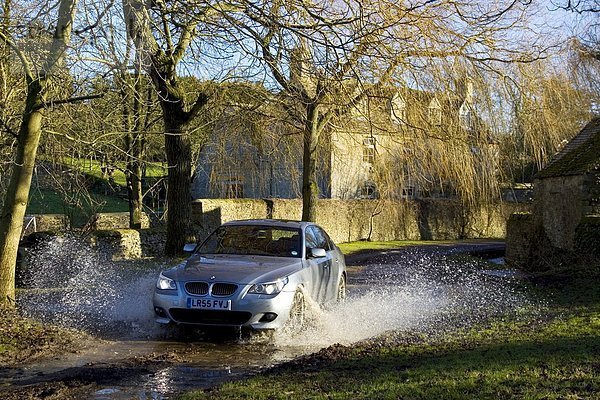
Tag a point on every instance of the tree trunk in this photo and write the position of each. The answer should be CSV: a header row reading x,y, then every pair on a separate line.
x,y
130,95
310,187
134,191
162,68
17,194
179,156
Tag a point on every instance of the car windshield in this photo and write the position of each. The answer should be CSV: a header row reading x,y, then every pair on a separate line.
x,y
254,240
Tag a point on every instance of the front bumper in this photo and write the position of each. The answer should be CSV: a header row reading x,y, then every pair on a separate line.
x,y
259,312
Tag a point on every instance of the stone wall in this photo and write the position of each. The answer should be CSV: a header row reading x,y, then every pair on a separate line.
x,y
562,233
45,223
345,220
559,204
379,220
519,233
587,237
592,186
117,220
120,243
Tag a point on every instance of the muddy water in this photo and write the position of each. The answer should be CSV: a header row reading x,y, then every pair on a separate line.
x,y
413,290
150,368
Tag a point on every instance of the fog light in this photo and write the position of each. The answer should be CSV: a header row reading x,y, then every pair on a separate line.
x,y
268,317
160,312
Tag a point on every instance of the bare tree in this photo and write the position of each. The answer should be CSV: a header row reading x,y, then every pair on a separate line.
x,y
548,109
17,194
587,11
328,57
161,48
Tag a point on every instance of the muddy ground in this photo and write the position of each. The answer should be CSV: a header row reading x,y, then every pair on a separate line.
x,y
95,364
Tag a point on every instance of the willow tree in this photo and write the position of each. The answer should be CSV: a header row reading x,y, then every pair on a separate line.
x,y
589,24
327,57
161,47
16,197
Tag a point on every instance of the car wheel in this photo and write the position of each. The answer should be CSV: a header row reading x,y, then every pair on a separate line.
x,y
297,320
341,292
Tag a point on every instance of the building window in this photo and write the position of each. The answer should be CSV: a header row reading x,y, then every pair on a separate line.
x,y
465,116
233,187
398,109
369,150
435,112
408,192
368,191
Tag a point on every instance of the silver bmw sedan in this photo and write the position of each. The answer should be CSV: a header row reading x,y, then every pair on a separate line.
x,y
253,273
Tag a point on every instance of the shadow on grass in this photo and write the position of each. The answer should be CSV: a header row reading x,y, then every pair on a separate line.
x,y
552,368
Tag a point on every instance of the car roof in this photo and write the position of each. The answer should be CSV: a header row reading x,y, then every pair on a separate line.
x,y
271,222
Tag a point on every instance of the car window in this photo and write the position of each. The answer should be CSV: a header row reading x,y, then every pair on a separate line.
x,y
329,241
310,238
322,239
316,238
253,240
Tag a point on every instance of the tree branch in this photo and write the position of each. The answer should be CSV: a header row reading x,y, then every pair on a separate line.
x,y
24,60
71,100
8,128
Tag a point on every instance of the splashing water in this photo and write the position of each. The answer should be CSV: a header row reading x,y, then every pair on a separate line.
x,y
74,285
418,292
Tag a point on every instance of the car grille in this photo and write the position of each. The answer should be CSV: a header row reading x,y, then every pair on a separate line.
x,y
223,289
217,289
209,317
198,288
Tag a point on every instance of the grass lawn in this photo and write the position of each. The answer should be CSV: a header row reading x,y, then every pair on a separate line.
x,y
94,168
46,201
356,247
552,355
78,206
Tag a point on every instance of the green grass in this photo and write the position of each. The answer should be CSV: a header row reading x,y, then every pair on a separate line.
x,y
552,356
94,168
356,247
79,208
364,246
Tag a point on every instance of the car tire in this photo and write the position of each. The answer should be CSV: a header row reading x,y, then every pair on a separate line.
x,y
297,319
341,291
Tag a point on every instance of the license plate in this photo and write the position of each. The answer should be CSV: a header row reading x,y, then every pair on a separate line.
x,y
209,304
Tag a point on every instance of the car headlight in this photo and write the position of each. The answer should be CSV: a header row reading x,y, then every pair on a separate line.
x,y
269,287
165,283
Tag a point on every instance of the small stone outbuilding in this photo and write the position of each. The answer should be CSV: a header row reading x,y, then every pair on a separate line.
x,y
565,220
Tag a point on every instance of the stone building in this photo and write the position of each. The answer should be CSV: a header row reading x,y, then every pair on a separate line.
x,y
565,216
378,150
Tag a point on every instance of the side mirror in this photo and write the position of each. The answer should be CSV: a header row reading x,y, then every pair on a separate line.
x,y
318,253
189,247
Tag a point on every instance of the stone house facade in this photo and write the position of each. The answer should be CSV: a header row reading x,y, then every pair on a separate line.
x,y
565,213
367,155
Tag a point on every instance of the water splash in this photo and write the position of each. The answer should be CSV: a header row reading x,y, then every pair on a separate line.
x,y
418,292
74,285
70,283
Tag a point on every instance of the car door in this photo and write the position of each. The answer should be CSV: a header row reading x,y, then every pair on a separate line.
x,y
319,266
336,265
